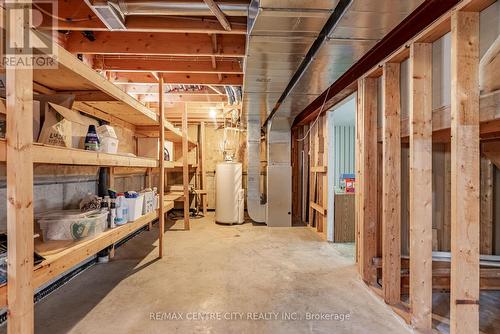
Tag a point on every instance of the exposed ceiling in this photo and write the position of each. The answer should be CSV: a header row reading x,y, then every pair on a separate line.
x,y
273,59
191,43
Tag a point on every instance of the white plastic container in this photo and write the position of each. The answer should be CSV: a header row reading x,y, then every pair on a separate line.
x,y
134,206
71,224
228,192
149,202
108,139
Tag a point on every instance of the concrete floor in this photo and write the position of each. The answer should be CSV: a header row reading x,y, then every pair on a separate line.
x,y
215,270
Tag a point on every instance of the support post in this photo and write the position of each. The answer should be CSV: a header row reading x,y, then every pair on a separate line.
x,y
421,186
204,185
366,192
161,186
20,181
185,166
464,297
391,183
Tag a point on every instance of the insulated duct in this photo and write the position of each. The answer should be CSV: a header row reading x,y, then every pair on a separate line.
x,y
255,206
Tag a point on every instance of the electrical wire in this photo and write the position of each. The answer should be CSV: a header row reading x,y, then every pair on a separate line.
x,y
82,19
317,117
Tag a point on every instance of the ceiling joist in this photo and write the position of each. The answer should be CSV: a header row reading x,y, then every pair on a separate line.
x,y
166,65
171,44
139,78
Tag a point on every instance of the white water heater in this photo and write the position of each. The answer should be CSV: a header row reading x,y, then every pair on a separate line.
x,y
229,194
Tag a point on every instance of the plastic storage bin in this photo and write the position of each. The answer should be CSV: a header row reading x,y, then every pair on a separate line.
x,y
134,207
72,224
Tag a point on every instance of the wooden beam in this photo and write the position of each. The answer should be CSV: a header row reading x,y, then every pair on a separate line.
x,y
19,136
146,78
172,44
168,65
391,222
421,186
366,193
465,180
156,24
214,8
161,188
185,166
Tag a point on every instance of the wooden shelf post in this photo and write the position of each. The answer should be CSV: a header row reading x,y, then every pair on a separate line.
x,y
203,168
366,178
20,180
465,180
421,186
161,187
185,166
391,183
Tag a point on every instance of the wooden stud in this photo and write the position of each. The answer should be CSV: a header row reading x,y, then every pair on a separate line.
x,y
161,186
391,183
421,186
464,298
204,185
367,177
19,182
149,184
487,207
185,166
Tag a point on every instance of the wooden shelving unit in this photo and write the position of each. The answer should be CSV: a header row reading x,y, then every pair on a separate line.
x,y
95,96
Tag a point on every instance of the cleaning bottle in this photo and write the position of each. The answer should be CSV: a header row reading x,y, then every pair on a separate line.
x,y
92,139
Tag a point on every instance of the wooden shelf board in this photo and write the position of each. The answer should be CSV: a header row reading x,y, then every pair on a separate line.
x,y
47,154
61,256
174,196
71,74
172,133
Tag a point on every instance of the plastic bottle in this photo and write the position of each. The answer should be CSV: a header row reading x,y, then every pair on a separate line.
x,y
92,139
112,213
120,210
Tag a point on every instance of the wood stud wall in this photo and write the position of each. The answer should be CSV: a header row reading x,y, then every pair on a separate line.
x,y
467,202
318,178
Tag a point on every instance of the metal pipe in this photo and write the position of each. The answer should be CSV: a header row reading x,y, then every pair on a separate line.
x,y
180,8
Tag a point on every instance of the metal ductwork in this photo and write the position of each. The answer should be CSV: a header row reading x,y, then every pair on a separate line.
x,y
180,8
280,35
295,51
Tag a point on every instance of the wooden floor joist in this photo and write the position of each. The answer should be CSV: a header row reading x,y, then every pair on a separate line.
x,y
464,300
